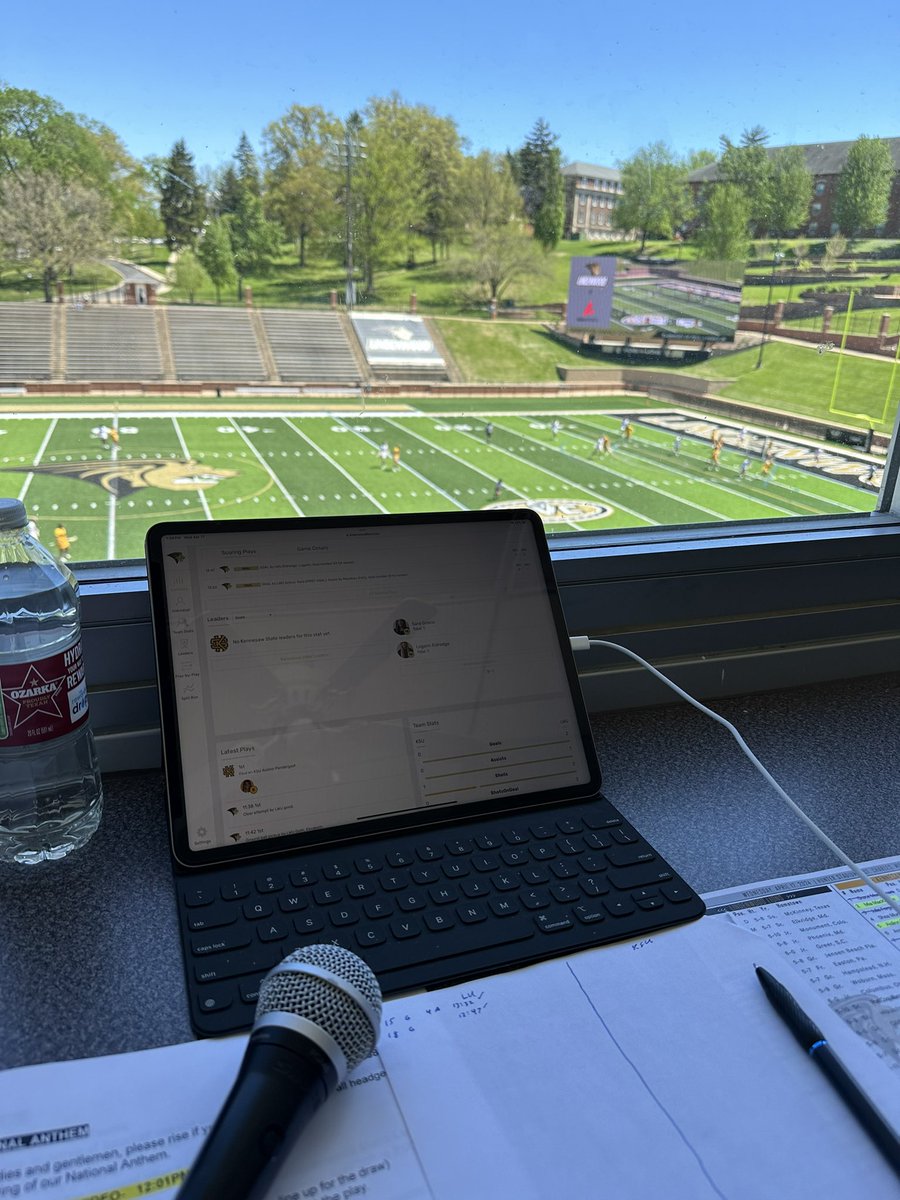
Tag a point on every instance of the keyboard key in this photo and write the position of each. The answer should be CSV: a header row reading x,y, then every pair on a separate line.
x,y
504,906
598,821
553,922
589,914
291,902
254,910
488,841
216,999
508,881
369,863
328,895
515,857
211,918
303,877
242,962
676,892
370,936
357,889
410,901
440,921
543,831
444,895
196,896
564,868
406,927
485,862
594,885
629,857
535,875
472,914
234,890
312,922
335,870
618,906
343,916
624,835
376,908
455,869
649,903
636,877
571,845
542,852
395,882
400,858
569,825
565,893
235,939
272,931
535,899
423,875
597,841
463,846
515,837
474,888
269,883
429,852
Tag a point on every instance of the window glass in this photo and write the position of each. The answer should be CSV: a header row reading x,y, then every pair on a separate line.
x,y
366,276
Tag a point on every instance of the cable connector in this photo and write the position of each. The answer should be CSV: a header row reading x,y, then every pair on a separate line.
x,y
579,643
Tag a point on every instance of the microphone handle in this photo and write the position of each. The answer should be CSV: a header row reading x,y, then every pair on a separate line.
x,y
283,1081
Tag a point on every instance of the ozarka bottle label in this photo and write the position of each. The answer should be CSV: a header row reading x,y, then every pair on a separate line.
x,y
43,699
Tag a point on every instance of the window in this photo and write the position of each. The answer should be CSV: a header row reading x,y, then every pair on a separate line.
x,y
221,304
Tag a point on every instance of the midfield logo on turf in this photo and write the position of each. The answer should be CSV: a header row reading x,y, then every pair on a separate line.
x,y
129,475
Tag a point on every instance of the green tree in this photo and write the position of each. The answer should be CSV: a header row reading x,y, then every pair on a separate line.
x,y
217,255
439,147
723,232
387,186
654,198
190,275
247,166
746,166
52,222
301,183
536,168
790,191
255,240
488,193
864,187
498,256
181,202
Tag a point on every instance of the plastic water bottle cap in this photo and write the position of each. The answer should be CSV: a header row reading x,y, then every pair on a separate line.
x,y
12,515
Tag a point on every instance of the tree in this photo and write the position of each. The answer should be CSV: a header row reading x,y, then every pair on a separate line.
x,y
190,275
440,151
488,192
791,187
181,202
864,187
247,165
835,249
654,193
301,181
723,235
536,168
217,255
746,166
498,256
52,222
255,241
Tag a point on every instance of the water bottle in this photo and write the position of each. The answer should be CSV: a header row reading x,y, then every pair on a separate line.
x,y
50,790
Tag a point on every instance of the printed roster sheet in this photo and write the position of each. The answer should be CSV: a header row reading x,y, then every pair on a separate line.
x,y
652,1067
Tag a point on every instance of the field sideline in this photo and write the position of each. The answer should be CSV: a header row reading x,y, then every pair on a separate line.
x,y
197,463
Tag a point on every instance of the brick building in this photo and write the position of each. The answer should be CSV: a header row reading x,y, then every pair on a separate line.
x,y
824,161
592,193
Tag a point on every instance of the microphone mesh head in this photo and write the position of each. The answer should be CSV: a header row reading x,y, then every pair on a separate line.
x,y
324,1003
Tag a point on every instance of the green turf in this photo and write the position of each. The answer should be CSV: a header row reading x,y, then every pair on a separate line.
x,y
261,464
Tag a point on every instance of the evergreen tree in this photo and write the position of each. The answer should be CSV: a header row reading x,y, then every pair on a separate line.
x,y
536,167
746,165
181,202
217,255
247,166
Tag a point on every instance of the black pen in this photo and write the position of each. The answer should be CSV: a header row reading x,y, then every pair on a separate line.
x,y
816,1045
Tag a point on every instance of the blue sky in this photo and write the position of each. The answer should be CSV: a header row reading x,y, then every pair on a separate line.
x,y
630,74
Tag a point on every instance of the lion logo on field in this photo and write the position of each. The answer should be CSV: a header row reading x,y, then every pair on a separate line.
x,y
129,475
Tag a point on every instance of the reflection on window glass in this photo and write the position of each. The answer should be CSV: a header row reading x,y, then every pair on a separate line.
x,y
380,270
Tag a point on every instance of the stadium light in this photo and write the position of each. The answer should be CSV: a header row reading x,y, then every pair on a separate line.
x,y
776,258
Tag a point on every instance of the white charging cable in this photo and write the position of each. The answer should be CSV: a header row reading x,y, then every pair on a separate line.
x,y
584,643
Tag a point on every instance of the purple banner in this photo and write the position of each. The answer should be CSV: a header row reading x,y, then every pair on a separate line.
x,y
591,292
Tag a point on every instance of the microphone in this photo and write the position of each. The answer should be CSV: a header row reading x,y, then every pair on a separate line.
x,y
317,1017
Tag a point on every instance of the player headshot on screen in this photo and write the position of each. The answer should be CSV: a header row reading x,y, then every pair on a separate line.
x,y
401,626
405,650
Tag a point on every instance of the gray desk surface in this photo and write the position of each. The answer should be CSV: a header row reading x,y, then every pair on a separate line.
x,y
91,961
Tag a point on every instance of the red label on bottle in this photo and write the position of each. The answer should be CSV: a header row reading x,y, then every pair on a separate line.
x,y
43,699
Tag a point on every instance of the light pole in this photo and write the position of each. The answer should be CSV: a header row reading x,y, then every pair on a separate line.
x,y
348,151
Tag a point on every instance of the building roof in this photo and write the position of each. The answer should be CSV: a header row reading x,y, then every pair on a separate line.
x,y
592,171
822,158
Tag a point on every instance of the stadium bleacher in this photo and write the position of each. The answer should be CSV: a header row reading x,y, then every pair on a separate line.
x,y
214,344
25,341
112,341
311,347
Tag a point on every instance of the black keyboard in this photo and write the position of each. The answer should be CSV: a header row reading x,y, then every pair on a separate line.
x,y
427,909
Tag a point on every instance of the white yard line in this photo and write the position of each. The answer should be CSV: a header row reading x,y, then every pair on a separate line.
x,y
287,495
37,458
406,467
204,503
351,479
